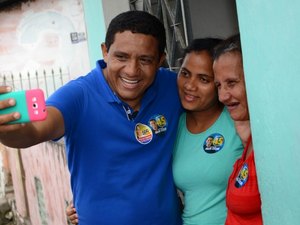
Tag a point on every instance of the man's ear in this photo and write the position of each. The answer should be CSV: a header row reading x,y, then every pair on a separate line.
x,y
104,52
162,59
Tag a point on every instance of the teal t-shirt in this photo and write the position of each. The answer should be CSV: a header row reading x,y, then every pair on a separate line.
x,y
202,164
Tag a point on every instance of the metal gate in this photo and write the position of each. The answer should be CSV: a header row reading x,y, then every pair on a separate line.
x,y
172,14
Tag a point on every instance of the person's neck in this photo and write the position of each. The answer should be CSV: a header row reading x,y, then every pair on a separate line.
x,y
243,129
135,106
200,121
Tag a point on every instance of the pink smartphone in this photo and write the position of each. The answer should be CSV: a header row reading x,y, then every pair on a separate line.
x,y
29,103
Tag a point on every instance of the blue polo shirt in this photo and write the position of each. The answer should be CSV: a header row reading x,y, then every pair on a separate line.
x,y
121,169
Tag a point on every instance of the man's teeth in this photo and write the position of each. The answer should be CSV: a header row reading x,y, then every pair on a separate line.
x,y
130,81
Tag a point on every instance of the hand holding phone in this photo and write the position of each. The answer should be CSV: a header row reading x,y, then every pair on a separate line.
x,y
29,103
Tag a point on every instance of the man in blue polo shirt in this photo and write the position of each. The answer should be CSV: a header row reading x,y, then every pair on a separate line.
x,y
120,167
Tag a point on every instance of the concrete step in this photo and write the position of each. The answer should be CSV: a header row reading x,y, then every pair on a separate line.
x,y
9,189
4,205
6,215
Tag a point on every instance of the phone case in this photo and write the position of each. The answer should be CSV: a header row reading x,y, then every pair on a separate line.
x,y
29,103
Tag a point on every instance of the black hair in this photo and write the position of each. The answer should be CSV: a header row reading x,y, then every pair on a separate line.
x,y
137,22
231,44
201,44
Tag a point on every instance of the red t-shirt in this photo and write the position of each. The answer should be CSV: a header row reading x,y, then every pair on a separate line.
x,y
242,195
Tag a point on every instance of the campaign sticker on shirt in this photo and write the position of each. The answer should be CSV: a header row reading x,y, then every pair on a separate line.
x,y
242,177
213,143
158,124
143,133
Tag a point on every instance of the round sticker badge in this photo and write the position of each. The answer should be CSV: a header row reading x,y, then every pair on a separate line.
x,y
242,177
158,124
143,133
213,143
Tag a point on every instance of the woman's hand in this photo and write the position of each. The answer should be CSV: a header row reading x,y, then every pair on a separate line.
x,y
71,214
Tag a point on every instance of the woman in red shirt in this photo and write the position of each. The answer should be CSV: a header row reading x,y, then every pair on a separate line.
x,y
242,196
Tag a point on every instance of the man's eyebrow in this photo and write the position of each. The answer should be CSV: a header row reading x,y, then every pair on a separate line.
x,y
120,53
147,56
185,69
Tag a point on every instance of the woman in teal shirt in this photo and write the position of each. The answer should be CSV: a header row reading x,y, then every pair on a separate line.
x,y
207,144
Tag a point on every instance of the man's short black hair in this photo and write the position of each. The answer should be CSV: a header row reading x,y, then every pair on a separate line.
x,y
137,22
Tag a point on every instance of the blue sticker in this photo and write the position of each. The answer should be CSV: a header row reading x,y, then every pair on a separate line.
x,y
242,177
158,124
213,143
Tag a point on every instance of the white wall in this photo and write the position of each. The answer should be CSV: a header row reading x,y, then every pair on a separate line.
x,y
113,7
